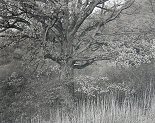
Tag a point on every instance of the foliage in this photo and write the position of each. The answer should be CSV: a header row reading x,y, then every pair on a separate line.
x,y
90,85
10,102
138,82
74,36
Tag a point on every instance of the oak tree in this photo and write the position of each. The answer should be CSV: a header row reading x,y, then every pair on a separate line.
x,y
66,30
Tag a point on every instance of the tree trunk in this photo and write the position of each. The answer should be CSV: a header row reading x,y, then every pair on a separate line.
x,y
67,88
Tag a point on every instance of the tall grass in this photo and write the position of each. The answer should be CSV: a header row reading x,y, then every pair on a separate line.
x,y
102,110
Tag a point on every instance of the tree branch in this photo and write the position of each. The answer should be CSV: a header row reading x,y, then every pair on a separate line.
x,y
152,6
85,14
113,16
54,58
81,63
89,45
9,27
89,28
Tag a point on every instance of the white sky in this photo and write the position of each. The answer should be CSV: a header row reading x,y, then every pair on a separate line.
x,y
111,2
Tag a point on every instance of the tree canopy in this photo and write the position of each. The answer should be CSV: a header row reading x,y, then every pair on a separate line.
x,y
61,25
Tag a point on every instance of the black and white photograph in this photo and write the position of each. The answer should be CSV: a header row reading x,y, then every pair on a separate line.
x,y
77,61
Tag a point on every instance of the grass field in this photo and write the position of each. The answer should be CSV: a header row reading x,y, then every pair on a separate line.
x,y
104,111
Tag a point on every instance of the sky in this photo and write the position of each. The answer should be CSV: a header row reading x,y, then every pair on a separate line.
x,y
111,2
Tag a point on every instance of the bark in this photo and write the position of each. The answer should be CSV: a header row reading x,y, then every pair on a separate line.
x,y
67,88
66,78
